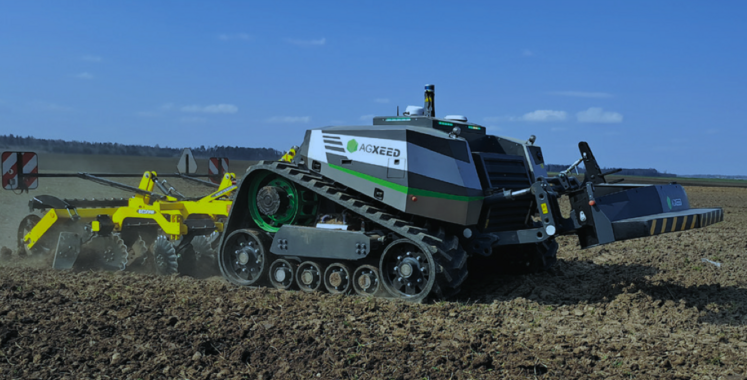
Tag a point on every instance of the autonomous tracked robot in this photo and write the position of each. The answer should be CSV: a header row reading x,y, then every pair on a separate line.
x,y
398,208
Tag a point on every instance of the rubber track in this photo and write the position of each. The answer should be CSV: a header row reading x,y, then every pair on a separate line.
x,y
451,258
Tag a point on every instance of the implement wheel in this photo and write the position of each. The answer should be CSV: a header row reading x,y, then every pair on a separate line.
x,y
46,244
243,259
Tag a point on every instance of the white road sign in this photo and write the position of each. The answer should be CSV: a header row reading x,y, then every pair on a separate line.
x,y
187,163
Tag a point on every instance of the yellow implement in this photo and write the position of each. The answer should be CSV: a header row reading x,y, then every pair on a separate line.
x,y
172,216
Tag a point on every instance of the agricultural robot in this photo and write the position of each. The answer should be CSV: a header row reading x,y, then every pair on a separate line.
x,y
398,209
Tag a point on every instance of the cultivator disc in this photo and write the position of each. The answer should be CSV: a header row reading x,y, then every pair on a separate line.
x,y
165,257
108,252
138,252
205,247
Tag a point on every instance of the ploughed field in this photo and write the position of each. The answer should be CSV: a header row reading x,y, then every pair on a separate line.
x,y
636,309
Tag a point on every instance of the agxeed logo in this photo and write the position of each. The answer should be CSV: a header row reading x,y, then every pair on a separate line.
x,y
353,146
674,202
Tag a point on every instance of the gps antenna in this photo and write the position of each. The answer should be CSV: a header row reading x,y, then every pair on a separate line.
x,y
430,105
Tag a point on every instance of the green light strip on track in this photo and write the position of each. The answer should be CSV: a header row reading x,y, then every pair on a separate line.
x,y
405,189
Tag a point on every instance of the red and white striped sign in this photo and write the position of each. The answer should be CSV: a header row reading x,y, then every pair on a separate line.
x,y
29,165
217,166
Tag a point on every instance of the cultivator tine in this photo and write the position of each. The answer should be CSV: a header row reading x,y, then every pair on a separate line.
x,y
68,249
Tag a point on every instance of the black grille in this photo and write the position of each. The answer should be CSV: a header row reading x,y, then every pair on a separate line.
x,y
504,172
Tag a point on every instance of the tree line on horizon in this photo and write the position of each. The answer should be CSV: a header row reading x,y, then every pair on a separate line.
x,y
84,147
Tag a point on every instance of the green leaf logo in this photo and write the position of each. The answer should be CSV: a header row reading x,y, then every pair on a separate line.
x,y
352,146
669,203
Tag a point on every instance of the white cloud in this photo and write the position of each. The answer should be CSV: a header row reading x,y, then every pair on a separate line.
x,y
236,36
319,42
84,75
496,119
534,116
597,115
91,58
581,94
367,117
381,100
193,119
289,119
527,53
544,115
213,108
46,106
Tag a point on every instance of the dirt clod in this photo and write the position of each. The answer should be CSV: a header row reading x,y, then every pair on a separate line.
x,y
5,253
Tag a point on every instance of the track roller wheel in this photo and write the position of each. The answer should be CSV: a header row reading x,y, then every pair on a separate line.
x,y
281,273
243,259
309,276
164,255
407,271
366,280
338,279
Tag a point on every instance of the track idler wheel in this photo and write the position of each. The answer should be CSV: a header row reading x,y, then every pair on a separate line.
x,y
243,259
309,276
282,273
164,255
407,271
338,279
366,280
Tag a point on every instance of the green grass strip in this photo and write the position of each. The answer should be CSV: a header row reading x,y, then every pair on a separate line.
x,y
405,189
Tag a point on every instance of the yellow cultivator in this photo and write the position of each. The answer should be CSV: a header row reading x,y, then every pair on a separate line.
x,y
152,232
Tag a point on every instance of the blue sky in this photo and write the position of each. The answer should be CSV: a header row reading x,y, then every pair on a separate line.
x,y
648,84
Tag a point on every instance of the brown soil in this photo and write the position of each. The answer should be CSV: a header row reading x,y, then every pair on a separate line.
x,y
646,308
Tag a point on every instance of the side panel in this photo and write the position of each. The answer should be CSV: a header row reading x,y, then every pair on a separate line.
x,y
419,172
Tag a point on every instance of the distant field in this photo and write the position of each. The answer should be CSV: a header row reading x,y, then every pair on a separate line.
x,y
73,163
